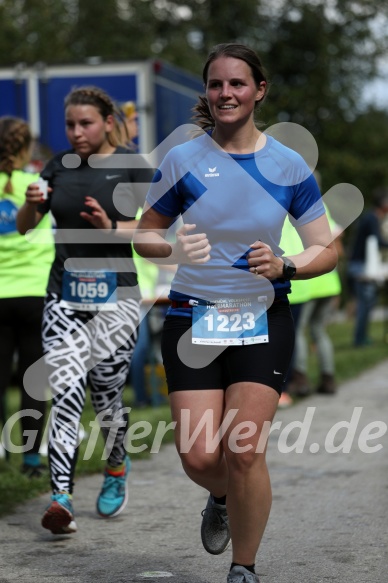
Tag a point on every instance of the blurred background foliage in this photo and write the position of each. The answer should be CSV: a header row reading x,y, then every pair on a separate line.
x,y
321,56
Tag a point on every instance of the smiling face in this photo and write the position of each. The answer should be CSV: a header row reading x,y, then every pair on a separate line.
x,y
87,131
231,91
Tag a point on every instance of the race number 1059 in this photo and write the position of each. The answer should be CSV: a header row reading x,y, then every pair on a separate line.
x,y
88,289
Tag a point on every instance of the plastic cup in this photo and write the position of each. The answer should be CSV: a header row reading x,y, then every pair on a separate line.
x,y
43,186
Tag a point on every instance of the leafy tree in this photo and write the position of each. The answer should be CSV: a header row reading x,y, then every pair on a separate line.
x,y
34,31
357,153
320,55
319,63
98,30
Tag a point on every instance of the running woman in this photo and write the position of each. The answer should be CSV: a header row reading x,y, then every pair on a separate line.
x,y
91,310
228,335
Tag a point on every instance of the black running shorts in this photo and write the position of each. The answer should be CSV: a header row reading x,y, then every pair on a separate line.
x,y
257,363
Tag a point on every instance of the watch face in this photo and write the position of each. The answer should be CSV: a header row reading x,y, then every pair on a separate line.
x,y
288,271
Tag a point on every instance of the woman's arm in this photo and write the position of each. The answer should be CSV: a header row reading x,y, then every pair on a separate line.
x,y
319,255
149,241
28,217
99,219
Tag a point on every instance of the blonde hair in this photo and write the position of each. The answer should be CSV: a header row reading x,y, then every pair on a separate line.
x,y
128,108
91,95
15,137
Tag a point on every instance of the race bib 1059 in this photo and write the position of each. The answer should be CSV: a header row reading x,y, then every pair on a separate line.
x,y
89,290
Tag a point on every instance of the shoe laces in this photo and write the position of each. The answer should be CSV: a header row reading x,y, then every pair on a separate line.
x,y
222,517
113,484
245,578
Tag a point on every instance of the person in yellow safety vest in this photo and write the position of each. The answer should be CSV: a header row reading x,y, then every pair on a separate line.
x,y
314,316
292,244
147,274
25,267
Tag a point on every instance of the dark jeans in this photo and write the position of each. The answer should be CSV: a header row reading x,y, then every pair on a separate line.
x,y
366,298
366,293
21,335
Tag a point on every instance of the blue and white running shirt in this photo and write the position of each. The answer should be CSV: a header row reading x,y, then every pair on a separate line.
x,y
236,199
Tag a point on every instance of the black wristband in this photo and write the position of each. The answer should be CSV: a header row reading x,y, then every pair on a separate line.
x,y
289,269
114,226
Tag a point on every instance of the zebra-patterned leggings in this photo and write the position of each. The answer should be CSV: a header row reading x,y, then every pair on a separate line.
x,y
81,348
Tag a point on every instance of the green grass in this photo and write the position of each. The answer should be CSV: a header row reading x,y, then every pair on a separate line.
x,y
15,488
350,361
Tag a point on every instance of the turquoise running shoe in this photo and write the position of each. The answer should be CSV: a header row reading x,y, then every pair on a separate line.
x,y
113,497
59,516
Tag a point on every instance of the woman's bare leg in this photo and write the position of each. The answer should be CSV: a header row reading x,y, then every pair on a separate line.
x,y
249,490
203,460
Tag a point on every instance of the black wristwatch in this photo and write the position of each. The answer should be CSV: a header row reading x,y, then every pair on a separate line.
x,y
289,268
114,225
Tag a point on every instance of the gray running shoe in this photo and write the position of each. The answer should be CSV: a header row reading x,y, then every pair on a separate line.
x,y
241,575
215,533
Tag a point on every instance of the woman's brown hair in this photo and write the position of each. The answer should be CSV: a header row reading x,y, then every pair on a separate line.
x,y
15,137
91,95
201,110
